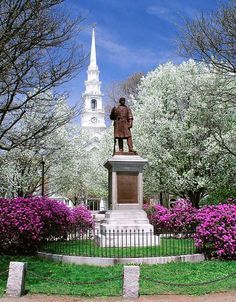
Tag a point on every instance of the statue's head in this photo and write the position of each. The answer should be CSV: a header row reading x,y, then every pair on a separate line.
x,y
122,101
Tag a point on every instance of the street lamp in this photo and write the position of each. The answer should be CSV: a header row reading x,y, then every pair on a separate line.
x,y
43,166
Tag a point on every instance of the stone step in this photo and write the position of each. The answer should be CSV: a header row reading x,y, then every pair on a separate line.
x,y
125,211
127,207
125,214
125,221
127,228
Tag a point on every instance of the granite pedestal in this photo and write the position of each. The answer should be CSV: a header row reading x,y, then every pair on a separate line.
x,y
126,224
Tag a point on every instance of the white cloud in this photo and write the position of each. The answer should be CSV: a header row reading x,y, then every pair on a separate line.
x,y
125,55
171,13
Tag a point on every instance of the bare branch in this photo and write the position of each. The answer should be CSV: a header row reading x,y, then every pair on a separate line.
x,y
212,38
38,54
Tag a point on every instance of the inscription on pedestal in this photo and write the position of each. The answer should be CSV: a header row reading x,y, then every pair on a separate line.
x,y
127,187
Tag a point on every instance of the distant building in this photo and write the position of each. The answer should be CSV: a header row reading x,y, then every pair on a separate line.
x,y
93,115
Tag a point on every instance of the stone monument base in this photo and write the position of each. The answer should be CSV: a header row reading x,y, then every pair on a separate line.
x,y
123,228
126,224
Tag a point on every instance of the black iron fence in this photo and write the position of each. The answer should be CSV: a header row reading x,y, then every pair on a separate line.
x,y
121,244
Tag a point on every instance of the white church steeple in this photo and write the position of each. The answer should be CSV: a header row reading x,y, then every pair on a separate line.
x,y
93,116
93,59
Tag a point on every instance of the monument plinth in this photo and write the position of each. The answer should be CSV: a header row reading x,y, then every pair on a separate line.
x,y
126,223
125,181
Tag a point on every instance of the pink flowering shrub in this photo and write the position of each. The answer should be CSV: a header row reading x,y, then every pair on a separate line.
x,y
180,218
82,218
159,216
26,222
20,226
214,226
216,230
55,216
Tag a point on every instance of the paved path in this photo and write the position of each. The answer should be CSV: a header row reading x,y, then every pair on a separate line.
x,y
219,297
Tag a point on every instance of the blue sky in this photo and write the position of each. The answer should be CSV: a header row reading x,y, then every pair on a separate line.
x,y
131,35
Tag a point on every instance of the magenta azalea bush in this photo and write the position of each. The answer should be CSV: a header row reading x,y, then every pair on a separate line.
x,y
214,226
82,218
55,216
159,217
27,222
20,226
180,218
216,230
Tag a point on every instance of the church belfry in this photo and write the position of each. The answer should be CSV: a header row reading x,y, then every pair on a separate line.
x,y
93,115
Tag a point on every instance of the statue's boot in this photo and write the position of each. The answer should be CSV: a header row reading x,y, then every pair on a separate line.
x,y
130,144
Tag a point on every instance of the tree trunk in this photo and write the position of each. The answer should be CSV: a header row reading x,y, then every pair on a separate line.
x,y
195,198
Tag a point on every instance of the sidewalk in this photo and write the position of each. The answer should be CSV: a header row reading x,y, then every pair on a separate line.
x,y
219,297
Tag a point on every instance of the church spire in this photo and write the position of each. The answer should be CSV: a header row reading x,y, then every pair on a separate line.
x,y
93,115
93,60
93,84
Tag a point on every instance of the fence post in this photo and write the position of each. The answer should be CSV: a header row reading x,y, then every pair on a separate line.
x,y
16,279
131,282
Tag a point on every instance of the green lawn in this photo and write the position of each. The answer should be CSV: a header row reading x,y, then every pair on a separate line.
x,y
68,273
172,272
188,273
167,247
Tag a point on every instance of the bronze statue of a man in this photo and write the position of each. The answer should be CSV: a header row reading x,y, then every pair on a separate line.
x,y
123,121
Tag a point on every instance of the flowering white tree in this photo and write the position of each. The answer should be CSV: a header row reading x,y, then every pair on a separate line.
x,y
65,161
70,170
97,176
21,167
20,172
67,175
177,121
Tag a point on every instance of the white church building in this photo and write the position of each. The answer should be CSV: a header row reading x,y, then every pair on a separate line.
x,y
93,114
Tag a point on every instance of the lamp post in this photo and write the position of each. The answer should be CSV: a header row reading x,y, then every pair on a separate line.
x,y
43,166
161,193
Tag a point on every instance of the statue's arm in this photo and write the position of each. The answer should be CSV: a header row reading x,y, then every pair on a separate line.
x,y
113,114
130,118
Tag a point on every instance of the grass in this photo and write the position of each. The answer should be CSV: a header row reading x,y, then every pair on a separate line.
x,y
68,273
167,247
186,273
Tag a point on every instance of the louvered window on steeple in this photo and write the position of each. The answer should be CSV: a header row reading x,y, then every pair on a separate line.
x,y
93,104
